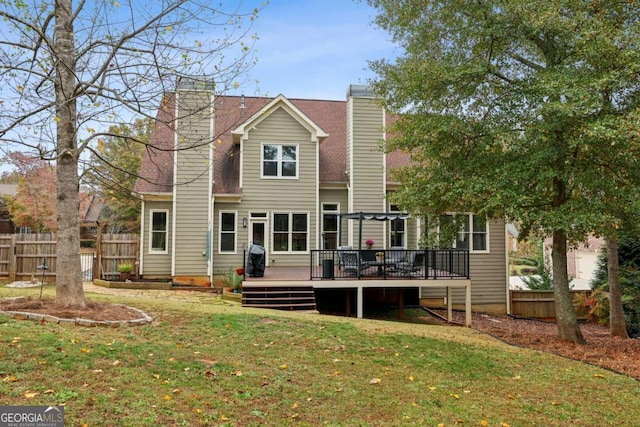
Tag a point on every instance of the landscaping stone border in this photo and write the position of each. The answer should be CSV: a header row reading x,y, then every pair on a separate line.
x,y
144,319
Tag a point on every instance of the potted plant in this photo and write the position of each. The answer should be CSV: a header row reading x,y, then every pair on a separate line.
x,y
125,270
369,243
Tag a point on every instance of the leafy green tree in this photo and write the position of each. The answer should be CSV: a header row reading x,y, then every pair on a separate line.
x,y
527,109
112,173
70,69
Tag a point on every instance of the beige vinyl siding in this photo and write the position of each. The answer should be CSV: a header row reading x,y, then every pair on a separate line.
x,y
193,184
155,264
367,171
488,273
280,195
222,262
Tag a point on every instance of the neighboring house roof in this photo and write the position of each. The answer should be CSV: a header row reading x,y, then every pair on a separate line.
x,y
234,115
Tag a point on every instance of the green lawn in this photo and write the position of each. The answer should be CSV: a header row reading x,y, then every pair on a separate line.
x,y
209,362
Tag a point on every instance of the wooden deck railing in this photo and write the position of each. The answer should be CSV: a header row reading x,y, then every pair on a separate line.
x,y
390,264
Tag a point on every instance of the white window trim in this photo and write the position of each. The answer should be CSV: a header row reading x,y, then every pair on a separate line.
x,y
151,231
279,145
486,225
235,232
289,233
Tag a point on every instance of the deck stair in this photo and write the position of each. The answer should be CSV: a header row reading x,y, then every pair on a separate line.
x,y
291,298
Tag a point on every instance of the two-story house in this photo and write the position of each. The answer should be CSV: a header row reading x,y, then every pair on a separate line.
x,y
225,172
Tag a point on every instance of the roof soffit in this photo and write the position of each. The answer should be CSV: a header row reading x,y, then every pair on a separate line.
x,y
242,131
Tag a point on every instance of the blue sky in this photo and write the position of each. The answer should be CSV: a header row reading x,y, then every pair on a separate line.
x,y
316,48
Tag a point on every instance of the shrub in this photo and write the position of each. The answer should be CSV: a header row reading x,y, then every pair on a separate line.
x,y
126,267
232,280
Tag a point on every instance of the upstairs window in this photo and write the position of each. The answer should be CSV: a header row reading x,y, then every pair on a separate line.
x,y
279,161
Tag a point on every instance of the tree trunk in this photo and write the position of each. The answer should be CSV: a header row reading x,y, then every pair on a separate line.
x,y
566,320
617,324
69,291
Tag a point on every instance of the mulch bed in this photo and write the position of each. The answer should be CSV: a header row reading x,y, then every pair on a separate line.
x,y
616,354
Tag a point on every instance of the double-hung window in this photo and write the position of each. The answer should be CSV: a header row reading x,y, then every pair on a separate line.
x,y
397,230
228,232
158,231
472,232
290,232
279,161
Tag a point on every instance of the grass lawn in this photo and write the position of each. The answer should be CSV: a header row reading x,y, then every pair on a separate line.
x,y
209,362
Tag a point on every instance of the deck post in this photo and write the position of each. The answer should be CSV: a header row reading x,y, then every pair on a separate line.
x,y
360,302
449,305
467,304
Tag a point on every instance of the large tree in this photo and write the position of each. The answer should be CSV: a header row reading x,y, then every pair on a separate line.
x,y
70,69
508,108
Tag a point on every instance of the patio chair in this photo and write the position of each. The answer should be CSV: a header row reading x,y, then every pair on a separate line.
x,y
340,249
352,263
414,264
396,255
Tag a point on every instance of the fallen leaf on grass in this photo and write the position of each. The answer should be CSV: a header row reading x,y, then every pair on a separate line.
x,y
484,423
30,394
432,388
49,391
454,395
598,376
283,366
374,381
410,378
167,397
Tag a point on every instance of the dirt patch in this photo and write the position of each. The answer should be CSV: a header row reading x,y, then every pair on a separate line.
x,y
601,349
98,311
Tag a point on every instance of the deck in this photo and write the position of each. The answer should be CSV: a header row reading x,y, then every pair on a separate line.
x,y
437,269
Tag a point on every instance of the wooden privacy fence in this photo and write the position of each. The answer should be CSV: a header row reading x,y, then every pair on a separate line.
x,y
23,256
540,304
113,250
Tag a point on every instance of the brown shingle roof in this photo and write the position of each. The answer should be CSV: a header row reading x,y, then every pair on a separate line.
x,y
156,170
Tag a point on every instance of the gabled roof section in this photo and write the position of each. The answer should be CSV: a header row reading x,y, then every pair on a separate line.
x,y
280,101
